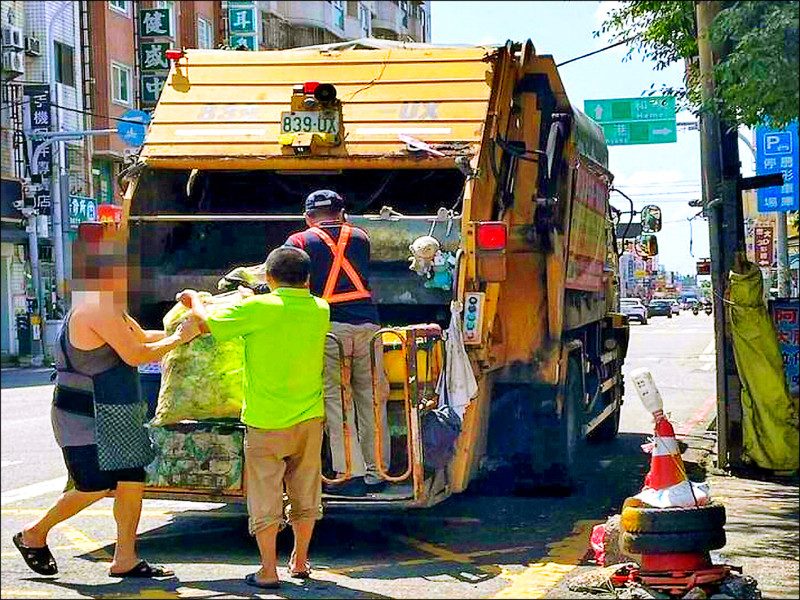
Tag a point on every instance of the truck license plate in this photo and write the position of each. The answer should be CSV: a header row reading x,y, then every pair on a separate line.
x,y
310,122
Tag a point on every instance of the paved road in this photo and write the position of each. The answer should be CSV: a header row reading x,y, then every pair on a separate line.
x,y
470,546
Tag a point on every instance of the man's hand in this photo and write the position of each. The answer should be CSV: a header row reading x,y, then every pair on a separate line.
x,y
188,329
192,300
187,297
245,292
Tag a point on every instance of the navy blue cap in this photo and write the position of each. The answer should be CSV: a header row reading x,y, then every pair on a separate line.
x,y
327,199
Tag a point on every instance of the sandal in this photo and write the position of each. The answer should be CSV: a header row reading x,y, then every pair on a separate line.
x,y
267,585
143,569
304,574
40,560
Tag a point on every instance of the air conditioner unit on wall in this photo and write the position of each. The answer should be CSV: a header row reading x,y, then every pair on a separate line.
x,y
33,47
13,64
12,38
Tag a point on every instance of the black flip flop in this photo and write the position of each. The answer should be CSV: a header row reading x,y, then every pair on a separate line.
x,y
143,569
304,574
39,560
251,580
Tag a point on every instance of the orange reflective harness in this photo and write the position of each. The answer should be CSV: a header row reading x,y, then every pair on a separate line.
x,y
341,263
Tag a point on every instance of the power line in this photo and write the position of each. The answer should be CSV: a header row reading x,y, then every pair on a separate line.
x,y
75,110
614,45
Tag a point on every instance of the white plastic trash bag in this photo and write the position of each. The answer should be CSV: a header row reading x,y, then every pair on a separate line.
x,y
685,494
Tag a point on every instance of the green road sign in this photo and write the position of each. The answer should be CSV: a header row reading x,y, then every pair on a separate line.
x,y
652,132
635,120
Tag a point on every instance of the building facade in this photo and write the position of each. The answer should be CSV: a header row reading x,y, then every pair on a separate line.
x,y
80,65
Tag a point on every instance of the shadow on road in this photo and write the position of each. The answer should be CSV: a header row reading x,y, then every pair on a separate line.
x,y
25,378
169,588
465,537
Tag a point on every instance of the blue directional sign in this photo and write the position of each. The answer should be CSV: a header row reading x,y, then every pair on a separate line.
x,y
777,152
132,133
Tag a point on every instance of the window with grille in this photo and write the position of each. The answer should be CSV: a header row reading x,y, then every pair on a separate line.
x,y
338,13
65,64
120,84
363,17
205,34
172,16
120,6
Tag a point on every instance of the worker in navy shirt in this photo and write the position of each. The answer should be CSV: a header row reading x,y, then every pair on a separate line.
x,y
339,255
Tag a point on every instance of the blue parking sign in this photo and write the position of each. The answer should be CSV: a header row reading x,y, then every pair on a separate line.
x,y
777,152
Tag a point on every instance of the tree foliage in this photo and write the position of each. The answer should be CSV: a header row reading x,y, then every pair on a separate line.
x,y
756,78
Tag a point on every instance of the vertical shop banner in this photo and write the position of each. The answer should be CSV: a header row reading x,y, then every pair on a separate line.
x,y
243,25
38,117
153,56
153,61
242,19
764,245
154,22
152,84
777,152
786,315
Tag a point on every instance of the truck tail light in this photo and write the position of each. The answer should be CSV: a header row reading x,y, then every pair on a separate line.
x,y
309,87
174,54
491,235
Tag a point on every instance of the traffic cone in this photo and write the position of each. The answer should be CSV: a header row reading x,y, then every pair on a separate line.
x,y
666,464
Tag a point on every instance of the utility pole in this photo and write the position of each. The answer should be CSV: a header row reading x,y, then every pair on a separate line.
x,y
59,170
723,207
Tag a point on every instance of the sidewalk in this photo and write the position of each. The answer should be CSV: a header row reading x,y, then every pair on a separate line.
x,y
761,530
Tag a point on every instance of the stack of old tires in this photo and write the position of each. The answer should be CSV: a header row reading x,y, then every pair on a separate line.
x,y
670,539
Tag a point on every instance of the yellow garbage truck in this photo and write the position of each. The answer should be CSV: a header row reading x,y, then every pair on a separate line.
x,y
478,148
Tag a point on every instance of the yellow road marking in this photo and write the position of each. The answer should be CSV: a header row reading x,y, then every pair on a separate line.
x,y
427,561
537,579
25,594
86,544
446,555
439,552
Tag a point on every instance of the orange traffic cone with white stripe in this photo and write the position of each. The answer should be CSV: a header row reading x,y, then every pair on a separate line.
x,y
666,464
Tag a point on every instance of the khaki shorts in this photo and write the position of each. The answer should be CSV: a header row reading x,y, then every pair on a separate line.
x,y
274,457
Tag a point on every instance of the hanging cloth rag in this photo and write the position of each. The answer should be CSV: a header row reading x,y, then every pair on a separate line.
x,y
457,374
770,419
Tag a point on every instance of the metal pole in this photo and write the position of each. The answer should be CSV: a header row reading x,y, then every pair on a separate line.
x,y
56,173
33,250
783,255
710,144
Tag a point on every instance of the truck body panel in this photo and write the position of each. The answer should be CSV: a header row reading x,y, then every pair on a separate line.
x,y
432,141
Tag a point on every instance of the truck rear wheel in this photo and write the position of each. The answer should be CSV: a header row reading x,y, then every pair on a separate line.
x,y
556,451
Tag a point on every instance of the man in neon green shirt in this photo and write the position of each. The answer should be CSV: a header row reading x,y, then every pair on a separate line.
x,y
284,333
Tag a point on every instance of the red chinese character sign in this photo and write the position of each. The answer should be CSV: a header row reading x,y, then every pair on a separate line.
x,y
786,315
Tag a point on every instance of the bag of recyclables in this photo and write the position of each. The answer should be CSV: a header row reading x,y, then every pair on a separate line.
x,y
203,379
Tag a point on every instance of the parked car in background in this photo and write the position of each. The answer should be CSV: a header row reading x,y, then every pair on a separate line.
x,y
676,307
660,308
634,309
